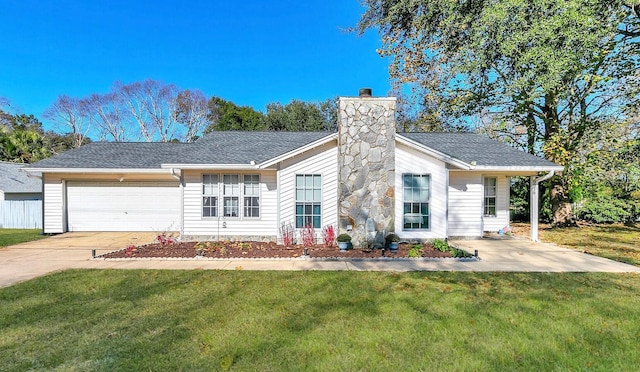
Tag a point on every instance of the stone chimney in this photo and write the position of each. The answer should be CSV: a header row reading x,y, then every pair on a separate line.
x,y
366,162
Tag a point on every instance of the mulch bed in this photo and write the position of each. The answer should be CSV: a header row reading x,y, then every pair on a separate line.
x,y
260,250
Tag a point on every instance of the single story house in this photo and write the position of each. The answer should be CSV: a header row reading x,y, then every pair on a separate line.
x,y
364,179
20,197
17,185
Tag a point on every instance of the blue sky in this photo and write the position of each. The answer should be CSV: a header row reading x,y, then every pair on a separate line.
x,y
250,52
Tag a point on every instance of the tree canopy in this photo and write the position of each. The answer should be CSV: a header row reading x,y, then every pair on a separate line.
x,y
541,74
23,140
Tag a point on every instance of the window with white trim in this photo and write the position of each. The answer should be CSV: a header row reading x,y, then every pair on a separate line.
x,y
490,193
251,195
416,197
308,200
209,195
230,195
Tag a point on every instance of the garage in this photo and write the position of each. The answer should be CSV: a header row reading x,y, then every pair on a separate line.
x,y
123,206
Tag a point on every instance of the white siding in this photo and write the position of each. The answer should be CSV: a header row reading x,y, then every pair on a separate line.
x,y
411,161
502,205
465,204
53,205
322,161
196,225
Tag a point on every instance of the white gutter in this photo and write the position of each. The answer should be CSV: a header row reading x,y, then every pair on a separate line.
x,y
534,203
98,170
211,166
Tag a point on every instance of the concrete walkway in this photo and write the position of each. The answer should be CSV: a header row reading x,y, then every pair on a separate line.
x,y
73,250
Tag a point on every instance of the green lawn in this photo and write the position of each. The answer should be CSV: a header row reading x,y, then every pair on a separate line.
x,y
15,236
320,321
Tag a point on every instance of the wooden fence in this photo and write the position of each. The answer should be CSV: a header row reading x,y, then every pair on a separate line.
x,y
21,214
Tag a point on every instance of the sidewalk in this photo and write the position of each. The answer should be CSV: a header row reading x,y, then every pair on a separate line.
x,y
73,251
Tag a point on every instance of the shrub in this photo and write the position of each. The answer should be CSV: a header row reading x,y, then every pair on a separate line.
x,y
328,235
415,251
608,210
308,235
440,245
344,238
287,233
163,239
392,237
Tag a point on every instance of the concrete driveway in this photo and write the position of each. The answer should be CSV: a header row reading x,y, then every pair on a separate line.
x,y
523,255
60,252
73,250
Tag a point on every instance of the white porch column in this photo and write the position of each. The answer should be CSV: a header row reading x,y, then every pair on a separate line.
x,y
534,208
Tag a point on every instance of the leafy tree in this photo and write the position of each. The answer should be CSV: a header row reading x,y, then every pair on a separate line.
x,y
540,74
296,116
226,115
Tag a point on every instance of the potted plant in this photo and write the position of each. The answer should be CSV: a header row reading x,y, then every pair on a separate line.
x,y
343,241
392,240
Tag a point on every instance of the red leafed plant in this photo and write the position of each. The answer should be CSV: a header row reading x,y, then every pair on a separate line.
x,y
163,239
130,249
308,235
328,235
286,231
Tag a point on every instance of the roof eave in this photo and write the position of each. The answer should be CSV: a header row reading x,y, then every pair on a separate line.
x,y
518,168
99,170
434,153
210,166
298,151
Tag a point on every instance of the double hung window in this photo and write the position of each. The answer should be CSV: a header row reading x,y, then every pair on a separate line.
x,y
210,195
225,195
490,192
231,195
416,196
252,195
308,200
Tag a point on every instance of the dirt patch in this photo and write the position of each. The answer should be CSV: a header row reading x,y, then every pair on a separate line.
x,y
263,250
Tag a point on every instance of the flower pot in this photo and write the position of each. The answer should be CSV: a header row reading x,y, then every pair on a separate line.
x,y
343,246
393,246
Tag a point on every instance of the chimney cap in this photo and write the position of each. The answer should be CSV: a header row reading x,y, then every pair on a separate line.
x,y
364,92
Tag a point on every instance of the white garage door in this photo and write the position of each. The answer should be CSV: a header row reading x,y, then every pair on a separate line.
x,y
123,206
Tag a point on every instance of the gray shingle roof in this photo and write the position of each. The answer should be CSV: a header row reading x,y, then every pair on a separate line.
x,y
237,147
469,147
137,155
12,180
214,148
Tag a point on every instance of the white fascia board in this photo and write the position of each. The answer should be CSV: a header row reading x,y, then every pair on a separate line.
x,y
434,153
98,170
516,168
210,166
298,151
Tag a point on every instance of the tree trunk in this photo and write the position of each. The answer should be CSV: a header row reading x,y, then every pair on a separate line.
x,y
561,207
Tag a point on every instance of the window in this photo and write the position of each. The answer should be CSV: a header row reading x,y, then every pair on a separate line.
x,y
490,192
416,201
231,195
210,195
308,200
252,195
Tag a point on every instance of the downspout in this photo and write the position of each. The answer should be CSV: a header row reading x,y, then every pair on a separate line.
x,y
534,206
179,178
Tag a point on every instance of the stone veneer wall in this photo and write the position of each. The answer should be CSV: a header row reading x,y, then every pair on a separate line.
x,y
366,163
